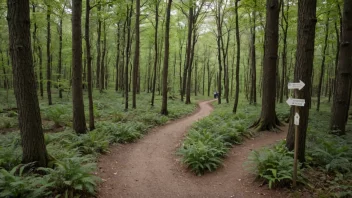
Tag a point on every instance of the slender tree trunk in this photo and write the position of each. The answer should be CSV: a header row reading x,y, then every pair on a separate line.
x,y
303,71
30,124
155,49
253,61
117,57
188,67
343,78
284,21
268,119
98,46
79,122
129,18
102,64
48,55
238,43
89,67
136,56
164,110
60,57
323,62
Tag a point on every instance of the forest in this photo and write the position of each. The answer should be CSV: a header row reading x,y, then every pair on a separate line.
x,y
177,98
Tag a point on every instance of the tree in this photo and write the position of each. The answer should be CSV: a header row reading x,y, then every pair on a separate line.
x,y
30,124
89,67
48,55
323,61
166,59
268,119
79,122
157,3
343,78
303,71
238,42
136,55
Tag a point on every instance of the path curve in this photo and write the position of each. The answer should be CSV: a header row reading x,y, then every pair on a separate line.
x,y
150,168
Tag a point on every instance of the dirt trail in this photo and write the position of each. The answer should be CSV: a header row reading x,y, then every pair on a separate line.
x,y
150,168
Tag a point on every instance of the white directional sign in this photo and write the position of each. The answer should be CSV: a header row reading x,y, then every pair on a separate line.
x,y
296,102
299,85
296,119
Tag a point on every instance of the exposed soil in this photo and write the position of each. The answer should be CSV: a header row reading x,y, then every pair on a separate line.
x,y
150,167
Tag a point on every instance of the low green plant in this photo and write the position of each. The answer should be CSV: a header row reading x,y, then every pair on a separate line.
x,y
16,183
274,165
203,151
72,176
56,113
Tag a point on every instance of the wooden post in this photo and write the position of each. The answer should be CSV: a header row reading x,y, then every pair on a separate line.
x,y
294,177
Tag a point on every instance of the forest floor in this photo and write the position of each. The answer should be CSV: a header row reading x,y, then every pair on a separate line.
x,y
151,168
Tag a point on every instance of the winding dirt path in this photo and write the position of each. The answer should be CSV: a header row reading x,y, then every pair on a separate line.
x,y
149,168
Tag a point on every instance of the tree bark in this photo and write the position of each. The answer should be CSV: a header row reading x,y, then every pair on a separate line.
x,y
323,62
79,122
30,124
164,110
89,67
102,64
238,43
268,119
136,56
253,98
98,46
343,78
48,56
303,71
155,49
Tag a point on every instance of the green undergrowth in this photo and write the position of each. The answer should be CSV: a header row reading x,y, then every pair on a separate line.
x,y
328,170
72,158
209,139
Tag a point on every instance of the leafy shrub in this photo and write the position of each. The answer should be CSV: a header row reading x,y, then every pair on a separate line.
x,y
15,183
56,113
72,175
10,150
274,165
92,142
332,152
203,150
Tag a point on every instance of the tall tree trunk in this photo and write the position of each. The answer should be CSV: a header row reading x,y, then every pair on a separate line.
x,y
238,43
323,62
164,110
89,67
48,55
303,71
98,46
102,64
188,66
284,21
253,61
79,121
155,49
117,57
268,119
343,78
60,58
136,56
129,18
30,124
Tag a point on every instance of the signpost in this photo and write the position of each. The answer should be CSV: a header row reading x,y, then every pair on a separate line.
x,y
297,103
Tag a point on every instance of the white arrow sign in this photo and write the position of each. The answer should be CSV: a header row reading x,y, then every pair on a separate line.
x,y
296,102
296,119
299,85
